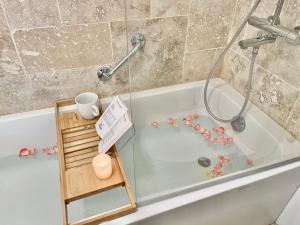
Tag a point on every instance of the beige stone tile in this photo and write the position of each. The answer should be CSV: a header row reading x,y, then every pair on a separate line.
x,y
197,65
209,24
119,46
9,61
138,9
160,62
14,94
169,7
46,49
236,71
291,17
242,9
293,124
119,40
220,69
3,24
49,87
282,59
271,94
89,11
31,13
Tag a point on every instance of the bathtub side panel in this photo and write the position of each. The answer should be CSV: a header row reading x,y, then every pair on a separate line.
x,y
290,214
257,204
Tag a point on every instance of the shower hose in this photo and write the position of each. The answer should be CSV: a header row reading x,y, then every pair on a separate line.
x,y
219,60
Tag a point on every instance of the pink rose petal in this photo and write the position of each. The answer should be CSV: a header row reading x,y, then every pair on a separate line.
x,y
154,124
170,121
197,127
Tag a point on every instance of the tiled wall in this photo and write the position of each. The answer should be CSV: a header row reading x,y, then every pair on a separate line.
x,y
276,82
51,49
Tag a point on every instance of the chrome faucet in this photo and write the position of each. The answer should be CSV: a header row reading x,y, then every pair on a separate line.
x,y
261,39
273,30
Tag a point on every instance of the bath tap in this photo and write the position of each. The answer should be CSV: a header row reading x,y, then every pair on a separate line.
x,y
261,39
273,30
291,35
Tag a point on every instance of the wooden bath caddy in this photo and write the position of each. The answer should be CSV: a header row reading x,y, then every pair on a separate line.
x,y
78,144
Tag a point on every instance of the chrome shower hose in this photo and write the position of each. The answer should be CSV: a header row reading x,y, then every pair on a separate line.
x,y
218,62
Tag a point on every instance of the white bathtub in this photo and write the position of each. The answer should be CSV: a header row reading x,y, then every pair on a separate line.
x,y
29,188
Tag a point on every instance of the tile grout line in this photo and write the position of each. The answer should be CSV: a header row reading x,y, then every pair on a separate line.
x,y
52,71
284,15
126,29
111,43
63,25
94,23
59,13
233,19
247,26
158,17
13,39
244,34
203,50
288,4
292,111
227,41
185,42
151,10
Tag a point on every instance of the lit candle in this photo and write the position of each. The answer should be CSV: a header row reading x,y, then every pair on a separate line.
x,y
102,166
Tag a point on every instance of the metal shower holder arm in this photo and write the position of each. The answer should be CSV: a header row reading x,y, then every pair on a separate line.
x,y
138,41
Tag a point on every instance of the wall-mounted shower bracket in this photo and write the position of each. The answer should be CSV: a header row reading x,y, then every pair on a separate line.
x,y
138,41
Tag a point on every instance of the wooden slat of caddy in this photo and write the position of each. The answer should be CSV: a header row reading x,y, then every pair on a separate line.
x,y
80,142
85,130
95,220
81,157
78,163
80,152
79,147
67,120
78,128
80,137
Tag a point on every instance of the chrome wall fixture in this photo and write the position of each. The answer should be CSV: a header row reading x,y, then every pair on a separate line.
x,y
270,30
138,41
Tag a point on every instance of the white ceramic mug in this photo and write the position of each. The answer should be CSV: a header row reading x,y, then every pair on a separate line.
x,y
87,105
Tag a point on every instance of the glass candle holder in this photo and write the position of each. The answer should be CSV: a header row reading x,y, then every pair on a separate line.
x,y
102,166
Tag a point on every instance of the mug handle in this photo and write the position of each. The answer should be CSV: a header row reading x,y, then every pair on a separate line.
x,y
95,110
